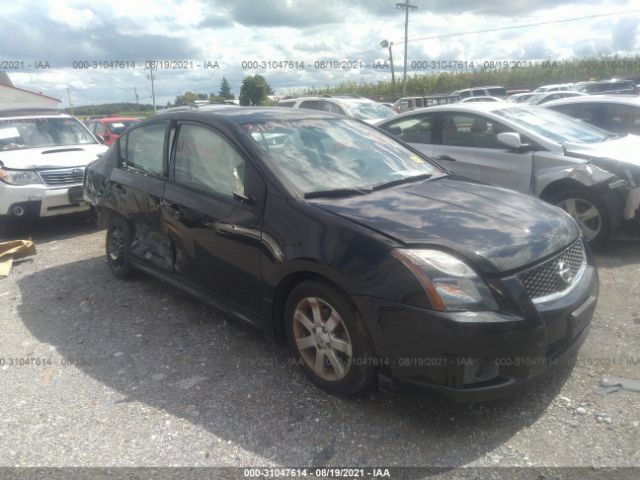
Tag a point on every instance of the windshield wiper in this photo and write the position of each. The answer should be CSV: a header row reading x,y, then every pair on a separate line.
x,y
400,181
338,192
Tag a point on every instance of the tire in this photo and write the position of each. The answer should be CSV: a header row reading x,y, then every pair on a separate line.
x,y
331,341
588,209
119,238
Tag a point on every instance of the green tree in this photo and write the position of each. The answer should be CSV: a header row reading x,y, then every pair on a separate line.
x,y
254,90
225,90
190,97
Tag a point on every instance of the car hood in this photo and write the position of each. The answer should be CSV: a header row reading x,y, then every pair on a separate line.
x,y
623,151
507,229
51,157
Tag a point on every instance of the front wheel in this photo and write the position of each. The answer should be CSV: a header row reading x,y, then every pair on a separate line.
x,y
327,334
588,210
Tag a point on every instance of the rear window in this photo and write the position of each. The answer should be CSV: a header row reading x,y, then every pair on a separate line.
x,y
119,126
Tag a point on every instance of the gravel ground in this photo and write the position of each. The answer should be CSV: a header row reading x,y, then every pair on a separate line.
x,y
137,374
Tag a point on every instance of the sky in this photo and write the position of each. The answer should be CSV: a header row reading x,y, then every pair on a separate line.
x,y
61,34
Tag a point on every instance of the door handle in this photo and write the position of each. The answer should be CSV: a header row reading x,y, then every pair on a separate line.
x,y
445,157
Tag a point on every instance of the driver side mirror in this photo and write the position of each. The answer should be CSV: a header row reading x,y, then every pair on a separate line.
x,y
511,140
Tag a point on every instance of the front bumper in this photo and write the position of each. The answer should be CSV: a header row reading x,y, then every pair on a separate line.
x,y
473,356
40,200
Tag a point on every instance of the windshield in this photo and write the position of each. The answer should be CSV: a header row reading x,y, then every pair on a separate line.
x,y
554,126
318,155
120,126
369,110
22,133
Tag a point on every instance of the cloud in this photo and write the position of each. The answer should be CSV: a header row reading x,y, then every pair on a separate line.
x,y
231,32
624,34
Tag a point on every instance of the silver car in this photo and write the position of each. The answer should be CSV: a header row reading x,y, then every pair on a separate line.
x,y
592,174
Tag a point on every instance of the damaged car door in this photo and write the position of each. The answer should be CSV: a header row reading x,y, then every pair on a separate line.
x,y
212,208
137,189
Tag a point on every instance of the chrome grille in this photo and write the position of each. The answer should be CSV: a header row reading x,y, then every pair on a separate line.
x,y
62,176
556,274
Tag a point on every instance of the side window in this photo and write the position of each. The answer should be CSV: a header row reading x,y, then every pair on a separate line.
x,y
464,130
205,161
312,104
418,129
332,108
99,129
419,103
622,118
479,92
286,104
144,149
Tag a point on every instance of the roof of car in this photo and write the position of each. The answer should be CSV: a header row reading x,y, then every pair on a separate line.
x,y
237,114
114,119
621,99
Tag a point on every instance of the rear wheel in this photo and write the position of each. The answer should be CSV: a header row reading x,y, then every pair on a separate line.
x,y
329,337
588,210
118,243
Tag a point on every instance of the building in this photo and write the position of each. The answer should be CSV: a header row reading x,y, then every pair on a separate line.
x,y
14,97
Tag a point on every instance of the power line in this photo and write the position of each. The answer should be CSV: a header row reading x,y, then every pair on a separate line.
x,y
526,25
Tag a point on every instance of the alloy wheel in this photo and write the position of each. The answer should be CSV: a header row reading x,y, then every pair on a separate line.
x,y
116,246
585,213
322,339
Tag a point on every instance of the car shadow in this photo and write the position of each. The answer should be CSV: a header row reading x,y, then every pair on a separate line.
x,y
619,251
160,347
47,229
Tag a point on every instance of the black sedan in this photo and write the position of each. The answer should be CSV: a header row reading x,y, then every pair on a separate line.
x,y
371,261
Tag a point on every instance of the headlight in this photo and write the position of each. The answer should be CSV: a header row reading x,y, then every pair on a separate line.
x,y
449,283
19,177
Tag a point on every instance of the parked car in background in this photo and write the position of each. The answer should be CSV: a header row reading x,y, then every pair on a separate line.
x,y
610,87
43,154
540,98
517,91
108,129
439,99
362,254
592,174
347,105
494,91
616,113
553,88
405,104
481,99
520,97
202,106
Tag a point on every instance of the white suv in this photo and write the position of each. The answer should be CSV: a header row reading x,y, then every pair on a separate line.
x,y
348,105
43,154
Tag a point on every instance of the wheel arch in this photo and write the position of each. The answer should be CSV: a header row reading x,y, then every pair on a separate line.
x,y
284,288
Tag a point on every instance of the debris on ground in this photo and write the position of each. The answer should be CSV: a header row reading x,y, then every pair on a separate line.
x,y
9,251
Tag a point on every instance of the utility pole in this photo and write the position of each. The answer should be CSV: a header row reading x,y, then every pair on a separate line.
x,y
135,92
153,92
388,44
406,6
69,97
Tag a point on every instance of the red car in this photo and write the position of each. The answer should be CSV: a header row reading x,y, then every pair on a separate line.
x,y
107,130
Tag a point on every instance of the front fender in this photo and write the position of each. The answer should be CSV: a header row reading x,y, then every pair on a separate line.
x,y
585,174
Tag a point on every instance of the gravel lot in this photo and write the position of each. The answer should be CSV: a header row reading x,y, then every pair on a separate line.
x,y
137,374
